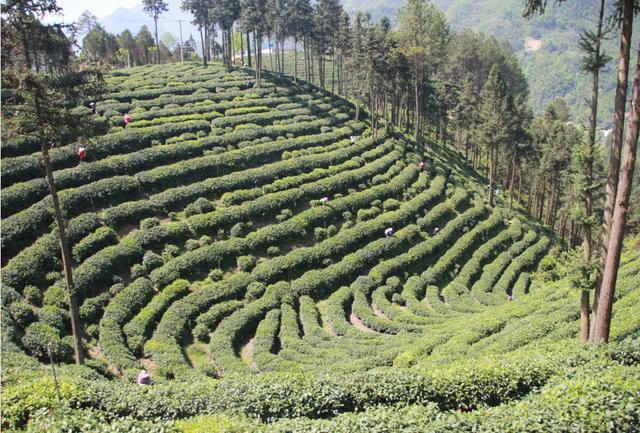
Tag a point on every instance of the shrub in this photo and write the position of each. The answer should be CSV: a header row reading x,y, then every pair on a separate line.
x,y
151,261
319,234
22,313
246,263
255,291
216,275
238,230
39,337
91,308
55,317
170,251
391,204
148,223
138,271
273,251
32,295
56,295
96,241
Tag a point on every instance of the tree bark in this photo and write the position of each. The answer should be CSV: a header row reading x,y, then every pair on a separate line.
x,y
603,318
248,50
64,246
155,20
588,194
616,142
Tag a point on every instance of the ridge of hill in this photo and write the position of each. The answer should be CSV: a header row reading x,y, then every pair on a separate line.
x,y
233,242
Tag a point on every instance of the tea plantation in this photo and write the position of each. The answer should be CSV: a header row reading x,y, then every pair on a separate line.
x,y
231,241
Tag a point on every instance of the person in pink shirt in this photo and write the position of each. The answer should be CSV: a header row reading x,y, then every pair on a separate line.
x,y
144,378
127,119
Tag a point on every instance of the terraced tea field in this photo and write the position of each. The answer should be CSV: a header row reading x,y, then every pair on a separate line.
x,y
231,241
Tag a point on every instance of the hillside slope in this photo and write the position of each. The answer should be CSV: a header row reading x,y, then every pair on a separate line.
x,y
239,233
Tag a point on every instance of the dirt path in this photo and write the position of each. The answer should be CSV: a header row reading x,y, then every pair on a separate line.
x,y
378,312
357,323
247,354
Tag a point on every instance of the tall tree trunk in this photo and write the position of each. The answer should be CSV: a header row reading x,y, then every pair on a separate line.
x,y
295,59
64,245
616,140
270,56
248,50
333,71
491,175
418,109
128,58
512,181
241,49
155,20
204,53
603,319
588,193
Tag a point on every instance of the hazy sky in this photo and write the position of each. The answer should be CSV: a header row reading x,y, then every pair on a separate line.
x,y
100,8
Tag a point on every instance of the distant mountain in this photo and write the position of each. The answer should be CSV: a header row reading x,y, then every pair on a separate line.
x,y
546,45
135,17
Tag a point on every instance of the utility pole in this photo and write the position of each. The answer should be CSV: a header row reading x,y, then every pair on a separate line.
x,y
181,43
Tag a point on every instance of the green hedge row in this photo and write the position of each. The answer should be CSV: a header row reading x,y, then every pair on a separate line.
x,y
470,241
120,310
97,270
137,330
425,252
350,238
492,272
258,118
165,345
207,322
203,167
130,212
235,330
27,167
527,261
101,238
174,198
319,282
265,340
32,263
485,253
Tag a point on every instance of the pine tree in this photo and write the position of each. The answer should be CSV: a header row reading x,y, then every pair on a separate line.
x,y
423,35
144,41
495,107
86,22
201,18
155,8
128,43
612,263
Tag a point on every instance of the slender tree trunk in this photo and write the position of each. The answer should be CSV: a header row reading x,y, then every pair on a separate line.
x,y
270,56
512,182
491,175
295,59
64,245
128,58
616,141
241,49
204,53
418,109
333,71
155,20
603,319
248,50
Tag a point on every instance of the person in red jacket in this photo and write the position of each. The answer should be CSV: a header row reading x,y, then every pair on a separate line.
x,y
82,153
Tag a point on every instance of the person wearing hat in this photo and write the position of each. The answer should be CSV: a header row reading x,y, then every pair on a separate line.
x,y
144,378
